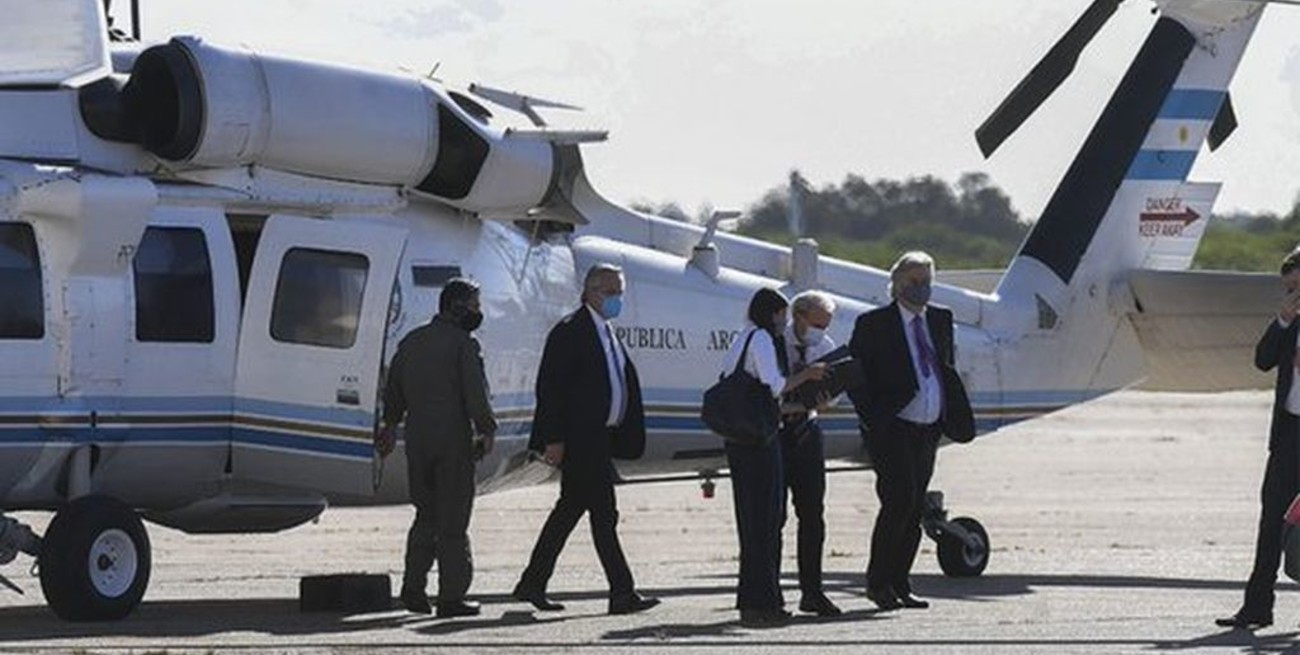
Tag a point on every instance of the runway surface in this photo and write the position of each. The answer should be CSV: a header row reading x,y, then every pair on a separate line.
x,y
1124,525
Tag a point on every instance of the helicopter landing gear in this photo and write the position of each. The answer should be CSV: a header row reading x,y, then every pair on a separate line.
x,y
963,544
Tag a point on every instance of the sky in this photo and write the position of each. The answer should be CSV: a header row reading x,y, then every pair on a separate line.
x,y
710,103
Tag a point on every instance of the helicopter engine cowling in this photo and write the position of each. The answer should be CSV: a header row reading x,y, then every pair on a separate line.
x,y
192,103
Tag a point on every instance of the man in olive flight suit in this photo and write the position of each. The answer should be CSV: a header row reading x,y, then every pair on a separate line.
x,y
436,381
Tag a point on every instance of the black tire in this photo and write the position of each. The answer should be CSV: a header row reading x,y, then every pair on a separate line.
x,y
111,586
956,558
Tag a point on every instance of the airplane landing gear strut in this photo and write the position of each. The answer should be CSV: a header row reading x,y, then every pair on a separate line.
x,y
963,545
16,537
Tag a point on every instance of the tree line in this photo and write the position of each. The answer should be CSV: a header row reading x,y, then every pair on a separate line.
x,y
964,225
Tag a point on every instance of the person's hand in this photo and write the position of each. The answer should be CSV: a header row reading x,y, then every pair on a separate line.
x,y
554,454
816,371
489,441
824,400
385,440
1290,306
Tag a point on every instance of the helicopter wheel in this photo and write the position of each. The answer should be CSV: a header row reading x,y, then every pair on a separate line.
x,y
95,560
964,557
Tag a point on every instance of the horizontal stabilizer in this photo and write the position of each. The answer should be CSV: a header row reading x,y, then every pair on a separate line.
x,y
1198,329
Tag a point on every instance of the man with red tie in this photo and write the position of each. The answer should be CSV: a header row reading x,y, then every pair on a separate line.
x,y
906,351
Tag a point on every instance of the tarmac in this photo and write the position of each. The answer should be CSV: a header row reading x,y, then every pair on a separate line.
x,y
1125,525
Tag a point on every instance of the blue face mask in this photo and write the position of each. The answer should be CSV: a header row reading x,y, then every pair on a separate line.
x,y
917,294
612,307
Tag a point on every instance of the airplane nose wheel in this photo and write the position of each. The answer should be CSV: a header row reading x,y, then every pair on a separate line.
x,y
963,544
95,560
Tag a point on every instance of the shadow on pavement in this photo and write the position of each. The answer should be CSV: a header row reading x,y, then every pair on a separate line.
x,y
731,628
191,618
1246,640
996,586
510,619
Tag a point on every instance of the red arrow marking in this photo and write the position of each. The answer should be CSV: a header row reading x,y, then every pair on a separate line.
x,y
1186,217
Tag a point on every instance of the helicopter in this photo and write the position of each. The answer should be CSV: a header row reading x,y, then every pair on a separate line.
x,y
209,253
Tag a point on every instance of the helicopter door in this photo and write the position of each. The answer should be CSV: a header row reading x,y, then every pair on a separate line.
x,y
310,351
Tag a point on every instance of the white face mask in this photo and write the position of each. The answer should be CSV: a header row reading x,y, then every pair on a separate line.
x,y
813,335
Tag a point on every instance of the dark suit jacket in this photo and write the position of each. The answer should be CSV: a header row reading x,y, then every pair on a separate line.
x,y
436,382
573,395
880,346
1277,348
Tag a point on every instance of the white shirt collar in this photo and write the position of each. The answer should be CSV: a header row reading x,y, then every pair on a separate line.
x,y
595,315
908,314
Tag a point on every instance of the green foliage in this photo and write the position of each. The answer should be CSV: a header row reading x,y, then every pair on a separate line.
x,y
970,224
967,225
1248,242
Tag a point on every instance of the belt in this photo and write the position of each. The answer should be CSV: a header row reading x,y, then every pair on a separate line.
x,y
919,427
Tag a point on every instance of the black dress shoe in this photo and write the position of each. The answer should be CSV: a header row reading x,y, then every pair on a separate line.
x,y
818,604
416,602
1245,621
758,618
883,598
457,608
908,601
631,603
537,598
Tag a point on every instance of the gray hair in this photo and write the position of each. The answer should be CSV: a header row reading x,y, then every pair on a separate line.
x,y
809,300
908,261
598,272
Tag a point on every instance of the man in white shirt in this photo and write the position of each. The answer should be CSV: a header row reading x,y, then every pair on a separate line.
x,y
1277,348
589,412
802,450
907,354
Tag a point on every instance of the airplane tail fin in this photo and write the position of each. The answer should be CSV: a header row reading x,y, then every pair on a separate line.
x,y
1125,204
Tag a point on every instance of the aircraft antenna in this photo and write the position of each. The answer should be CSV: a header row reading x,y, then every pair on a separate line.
x,y
135,19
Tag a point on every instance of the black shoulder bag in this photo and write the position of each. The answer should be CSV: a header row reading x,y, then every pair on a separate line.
x,y
740,408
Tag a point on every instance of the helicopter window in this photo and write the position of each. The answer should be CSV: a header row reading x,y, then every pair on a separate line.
x,y
318,298
433,276
22,301
173,286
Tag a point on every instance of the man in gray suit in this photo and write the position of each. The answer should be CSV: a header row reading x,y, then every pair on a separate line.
x,y
436,382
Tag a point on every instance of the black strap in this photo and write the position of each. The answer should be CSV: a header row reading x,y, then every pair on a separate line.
x,y
740,363
782,357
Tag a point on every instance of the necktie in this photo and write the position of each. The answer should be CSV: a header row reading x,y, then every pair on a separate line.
x,y
617,370
923,347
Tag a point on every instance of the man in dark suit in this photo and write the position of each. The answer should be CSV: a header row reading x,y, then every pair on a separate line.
x,y
1277,348
588,412
910,393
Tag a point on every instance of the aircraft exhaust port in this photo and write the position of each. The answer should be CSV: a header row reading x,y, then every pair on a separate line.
x,y
191,102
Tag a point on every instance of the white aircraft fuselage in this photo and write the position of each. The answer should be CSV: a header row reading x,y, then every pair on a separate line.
x,y
210,254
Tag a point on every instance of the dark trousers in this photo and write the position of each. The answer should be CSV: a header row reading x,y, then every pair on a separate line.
x,y
804,461
902,455
586,487
442,490
1281,482
758,493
